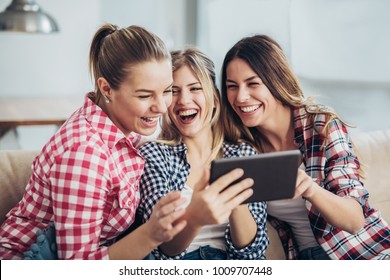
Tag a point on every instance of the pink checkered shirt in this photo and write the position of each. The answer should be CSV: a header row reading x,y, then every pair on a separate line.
x,y
86,180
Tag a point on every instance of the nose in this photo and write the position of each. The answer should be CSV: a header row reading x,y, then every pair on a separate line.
x,y
184,97
161,104
242,94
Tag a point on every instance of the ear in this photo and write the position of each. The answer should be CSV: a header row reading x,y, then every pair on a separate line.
x,y
104,88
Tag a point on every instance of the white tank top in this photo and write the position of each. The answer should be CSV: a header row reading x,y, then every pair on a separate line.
x,y
294,212
212,235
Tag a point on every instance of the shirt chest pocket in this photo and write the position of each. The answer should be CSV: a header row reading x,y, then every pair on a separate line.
x,y
123,208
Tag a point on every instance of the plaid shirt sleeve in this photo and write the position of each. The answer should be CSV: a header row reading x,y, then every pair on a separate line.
x,y
79,191
341,170
255,250
156,183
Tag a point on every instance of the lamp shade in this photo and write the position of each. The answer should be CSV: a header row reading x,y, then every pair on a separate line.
x,y
26,16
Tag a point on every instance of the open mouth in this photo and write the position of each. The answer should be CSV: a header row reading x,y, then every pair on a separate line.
x,y
187,115
249,109
150,120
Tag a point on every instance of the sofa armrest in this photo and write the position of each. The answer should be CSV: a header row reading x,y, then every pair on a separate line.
x,y
15,171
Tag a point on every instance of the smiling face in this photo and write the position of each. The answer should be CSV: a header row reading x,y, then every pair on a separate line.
x,y
188,109
140,101
248,95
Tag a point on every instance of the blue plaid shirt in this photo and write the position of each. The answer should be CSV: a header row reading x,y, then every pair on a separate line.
x,y
167,169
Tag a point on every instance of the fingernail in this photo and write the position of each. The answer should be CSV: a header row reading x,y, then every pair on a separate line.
x,y
239,171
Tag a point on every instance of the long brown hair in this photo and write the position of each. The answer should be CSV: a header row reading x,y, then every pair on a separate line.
x,y
267,60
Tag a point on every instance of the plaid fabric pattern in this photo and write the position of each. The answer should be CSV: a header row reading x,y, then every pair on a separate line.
x,y
332,163
86,180
167,169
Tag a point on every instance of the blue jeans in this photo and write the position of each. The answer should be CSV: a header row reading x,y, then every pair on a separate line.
x,y
313,253
206,253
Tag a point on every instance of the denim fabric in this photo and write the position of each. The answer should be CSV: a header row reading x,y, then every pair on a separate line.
x,y
206,253
150,257
45,247
313,253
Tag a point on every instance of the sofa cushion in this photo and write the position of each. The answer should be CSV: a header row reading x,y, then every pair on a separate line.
x,y
373,150
15,170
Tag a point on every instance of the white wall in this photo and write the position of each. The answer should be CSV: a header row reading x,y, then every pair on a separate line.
x,y
54,64
223,22
57,64
343,43
340,49
345,40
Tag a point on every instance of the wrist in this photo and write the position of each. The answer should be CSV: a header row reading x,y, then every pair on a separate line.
x,y
311,191
148,235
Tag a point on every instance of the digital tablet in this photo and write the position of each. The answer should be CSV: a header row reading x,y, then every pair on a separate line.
x,y
275,174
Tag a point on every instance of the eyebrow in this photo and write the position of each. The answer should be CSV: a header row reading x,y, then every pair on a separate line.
x,y
191,84
149,90
246,80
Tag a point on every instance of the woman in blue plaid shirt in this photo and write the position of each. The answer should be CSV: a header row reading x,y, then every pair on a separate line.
x,y
329,216
218,227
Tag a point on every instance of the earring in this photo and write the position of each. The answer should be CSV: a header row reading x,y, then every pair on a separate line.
x,y
107,100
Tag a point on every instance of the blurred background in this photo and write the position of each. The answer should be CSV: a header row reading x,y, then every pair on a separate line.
x,y
339,49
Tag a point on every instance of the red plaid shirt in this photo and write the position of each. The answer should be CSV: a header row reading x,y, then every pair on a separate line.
x,y
335,168
86,180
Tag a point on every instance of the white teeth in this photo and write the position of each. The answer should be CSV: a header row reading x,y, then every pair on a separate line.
x,y
150,119
187,112
248,109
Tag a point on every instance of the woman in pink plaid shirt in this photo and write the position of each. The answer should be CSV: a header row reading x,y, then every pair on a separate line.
x,y
330,216
85,181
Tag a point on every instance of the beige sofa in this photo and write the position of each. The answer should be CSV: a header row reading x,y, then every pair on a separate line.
x,y
373,147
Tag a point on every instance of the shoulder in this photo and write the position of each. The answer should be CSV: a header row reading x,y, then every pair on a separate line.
x,y
152,148
239,149
157,151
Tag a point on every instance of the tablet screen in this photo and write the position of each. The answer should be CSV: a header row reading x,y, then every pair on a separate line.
x,y
274,174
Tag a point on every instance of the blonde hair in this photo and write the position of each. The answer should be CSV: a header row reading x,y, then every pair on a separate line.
x,y
114,51
203,68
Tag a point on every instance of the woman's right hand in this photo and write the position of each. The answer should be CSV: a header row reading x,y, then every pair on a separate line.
x,y
166,212
213,204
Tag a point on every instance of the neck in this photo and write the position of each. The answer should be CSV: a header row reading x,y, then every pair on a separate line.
x,y
279,131
199,147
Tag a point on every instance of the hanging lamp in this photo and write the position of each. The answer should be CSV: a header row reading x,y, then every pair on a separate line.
x,y
26,16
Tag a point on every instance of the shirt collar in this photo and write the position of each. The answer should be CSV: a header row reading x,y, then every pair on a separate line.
x,y
108,131
180,148
299,117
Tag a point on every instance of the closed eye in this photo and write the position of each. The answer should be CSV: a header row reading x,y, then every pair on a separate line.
x,y
144,96
168,91
231,86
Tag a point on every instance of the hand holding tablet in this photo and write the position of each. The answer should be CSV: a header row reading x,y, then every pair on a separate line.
x,y
275,174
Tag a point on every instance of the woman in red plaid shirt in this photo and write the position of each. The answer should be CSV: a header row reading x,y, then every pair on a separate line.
x,y
85,181
330,216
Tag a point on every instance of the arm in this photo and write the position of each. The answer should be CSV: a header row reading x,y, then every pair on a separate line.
x,y
148,236
210,204
79,190
156,183
342,198
242,227
252,226
342,212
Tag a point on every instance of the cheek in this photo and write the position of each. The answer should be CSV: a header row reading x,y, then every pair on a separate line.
x,y
168,100
170,111
230,99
